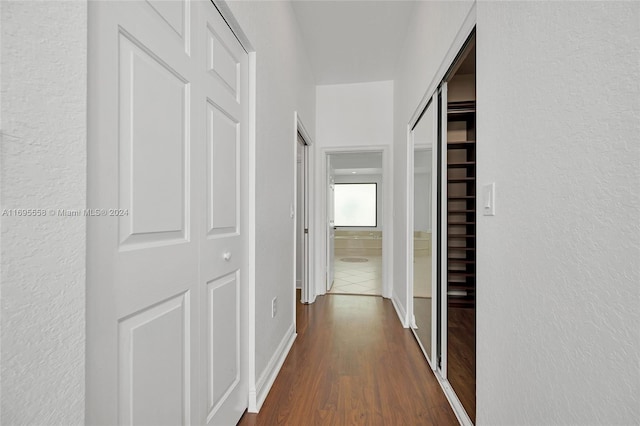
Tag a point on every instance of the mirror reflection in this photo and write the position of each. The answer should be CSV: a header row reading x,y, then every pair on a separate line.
x,y
423,140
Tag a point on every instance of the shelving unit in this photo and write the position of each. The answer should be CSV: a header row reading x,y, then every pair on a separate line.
x,y
461,205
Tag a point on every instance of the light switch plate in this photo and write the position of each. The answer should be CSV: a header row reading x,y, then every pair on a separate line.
x,y
489,199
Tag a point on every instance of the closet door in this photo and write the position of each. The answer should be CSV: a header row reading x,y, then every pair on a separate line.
x,y
166,292
424,138
223,97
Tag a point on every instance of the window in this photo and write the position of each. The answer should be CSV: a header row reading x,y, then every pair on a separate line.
x,y
355,204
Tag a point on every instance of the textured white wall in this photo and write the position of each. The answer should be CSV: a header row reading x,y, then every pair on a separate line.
x,y
354,114
558,271
284,84
44,72
430,33
558,317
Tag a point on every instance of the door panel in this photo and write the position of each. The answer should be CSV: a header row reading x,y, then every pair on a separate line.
x,y
153,143
166,311
154,351
223,134
222,241
223,329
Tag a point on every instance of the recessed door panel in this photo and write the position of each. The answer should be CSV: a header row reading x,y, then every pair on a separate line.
x,y
153,147
223,340
222,62
222,144
154,352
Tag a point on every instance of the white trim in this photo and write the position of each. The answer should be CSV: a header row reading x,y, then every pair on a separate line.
x,y
409,249
435,153
402,314
308,293
268,376
251,226
443,237
294,216
303,130
320,244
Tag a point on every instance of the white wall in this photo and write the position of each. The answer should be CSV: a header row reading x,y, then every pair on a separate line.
x,y
431,31
44,83
558,340
284,84
354,114
558,266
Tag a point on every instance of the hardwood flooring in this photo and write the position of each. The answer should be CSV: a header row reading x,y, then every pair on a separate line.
x,y
461,356
353,364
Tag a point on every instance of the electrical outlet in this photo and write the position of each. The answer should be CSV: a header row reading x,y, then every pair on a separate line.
x,y
274,307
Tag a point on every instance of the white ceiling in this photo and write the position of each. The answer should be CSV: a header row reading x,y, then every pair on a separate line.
x,y
353,41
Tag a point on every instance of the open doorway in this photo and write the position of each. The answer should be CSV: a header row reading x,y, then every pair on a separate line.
x,y
302,210
355,199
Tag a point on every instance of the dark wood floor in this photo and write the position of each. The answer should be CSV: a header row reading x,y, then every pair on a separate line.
x,y
353,364
461,359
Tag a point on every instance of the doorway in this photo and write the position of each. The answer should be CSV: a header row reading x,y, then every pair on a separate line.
x,y
355,194
301,230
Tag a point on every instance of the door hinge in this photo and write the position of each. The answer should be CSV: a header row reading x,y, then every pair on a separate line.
x,y
306,231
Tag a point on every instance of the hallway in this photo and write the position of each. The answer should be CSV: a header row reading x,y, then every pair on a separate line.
x,y
353,364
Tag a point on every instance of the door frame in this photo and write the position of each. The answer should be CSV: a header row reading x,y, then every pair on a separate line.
x,y
308,293
321,223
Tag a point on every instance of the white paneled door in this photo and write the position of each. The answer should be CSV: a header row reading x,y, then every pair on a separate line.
x,y
167,291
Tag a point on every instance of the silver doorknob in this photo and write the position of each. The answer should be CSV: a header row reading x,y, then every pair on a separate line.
x,y
226,256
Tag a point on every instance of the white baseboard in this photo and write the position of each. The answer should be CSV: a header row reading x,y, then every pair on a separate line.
x,y
402,314
268,376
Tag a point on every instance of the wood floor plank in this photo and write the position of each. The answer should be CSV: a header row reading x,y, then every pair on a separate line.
x,y
353,364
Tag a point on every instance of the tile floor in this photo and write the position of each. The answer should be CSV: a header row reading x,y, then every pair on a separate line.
x,y
358,278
